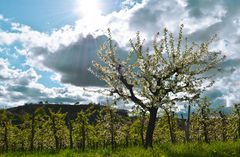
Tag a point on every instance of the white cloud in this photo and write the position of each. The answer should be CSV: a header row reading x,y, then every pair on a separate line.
x,y
229,86
6,73
2,18
183,3
18,87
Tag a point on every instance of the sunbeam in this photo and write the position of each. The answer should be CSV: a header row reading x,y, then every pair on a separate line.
x,y
88,8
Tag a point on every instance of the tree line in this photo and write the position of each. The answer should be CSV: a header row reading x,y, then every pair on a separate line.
x,y
41,131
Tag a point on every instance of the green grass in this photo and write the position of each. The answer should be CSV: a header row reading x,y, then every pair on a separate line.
x,y
217,149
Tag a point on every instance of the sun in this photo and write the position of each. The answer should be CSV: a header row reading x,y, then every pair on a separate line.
x,y
88,8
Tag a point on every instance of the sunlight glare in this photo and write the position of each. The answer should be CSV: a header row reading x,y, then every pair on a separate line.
x,y
88,8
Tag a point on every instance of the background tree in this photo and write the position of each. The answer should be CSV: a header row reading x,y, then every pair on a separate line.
x,y
235,121
187,123
5,128
111,129
223,125
167,73
43,137
83,127
24,126
169,110
59,128
124,131
204,113
32,132
138,127
70,129
161,134
111,120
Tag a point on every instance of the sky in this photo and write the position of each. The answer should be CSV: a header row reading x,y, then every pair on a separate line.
x,y
46,46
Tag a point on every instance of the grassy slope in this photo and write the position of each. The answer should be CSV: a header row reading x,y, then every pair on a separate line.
x,y
231,149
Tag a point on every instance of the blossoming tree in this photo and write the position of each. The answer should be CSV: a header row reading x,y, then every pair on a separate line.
x,y
151,78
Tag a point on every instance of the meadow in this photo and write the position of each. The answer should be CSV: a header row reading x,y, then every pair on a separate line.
x,y
216,149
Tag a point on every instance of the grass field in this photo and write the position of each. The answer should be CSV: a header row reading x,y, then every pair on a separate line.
x,y
218,149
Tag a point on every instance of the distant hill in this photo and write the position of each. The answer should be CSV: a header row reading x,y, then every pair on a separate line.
x,y
71,110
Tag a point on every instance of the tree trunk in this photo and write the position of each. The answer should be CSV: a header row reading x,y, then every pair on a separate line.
x,y
170,125
55,132
83,135
223,120
32,132
205,130
112,131
5,135
171,132
41,147
238,113
205,133
184,123
22,146
70,135
187,129
126,140
173,123
142,127
127,135
60,143
151,127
